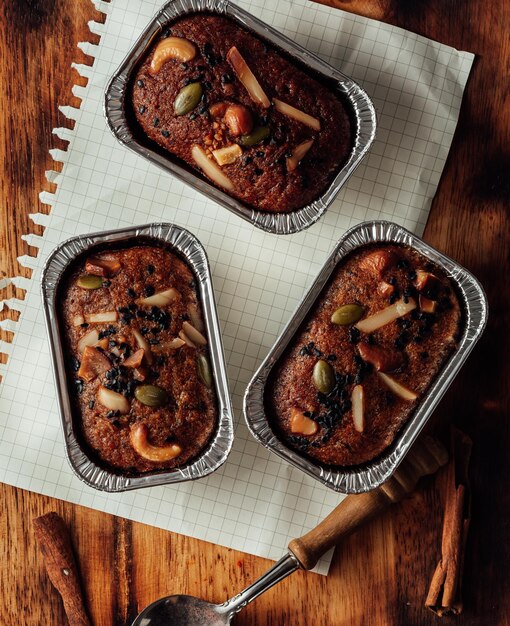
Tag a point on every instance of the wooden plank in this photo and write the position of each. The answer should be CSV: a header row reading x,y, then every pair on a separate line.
x,y
380,575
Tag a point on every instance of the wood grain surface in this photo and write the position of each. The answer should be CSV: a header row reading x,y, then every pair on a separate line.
x,y
380,575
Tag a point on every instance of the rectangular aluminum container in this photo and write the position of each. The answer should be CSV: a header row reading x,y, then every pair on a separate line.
x,y
370,475
187,246
283,223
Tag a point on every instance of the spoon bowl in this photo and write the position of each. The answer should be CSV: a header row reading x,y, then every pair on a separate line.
x,y
182,610
426,457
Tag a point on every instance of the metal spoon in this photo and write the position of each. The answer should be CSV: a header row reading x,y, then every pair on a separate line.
x,y
426,457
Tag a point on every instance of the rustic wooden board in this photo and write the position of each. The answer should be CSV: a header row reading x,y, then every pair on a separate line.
x,y
381,574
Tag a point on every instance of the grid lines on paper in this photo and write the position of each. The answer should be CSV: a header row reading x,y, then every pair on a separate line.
x,y
255,502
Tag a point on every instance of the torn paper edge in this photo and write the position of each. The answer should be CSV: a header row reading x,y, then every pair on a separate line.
x,y
11,308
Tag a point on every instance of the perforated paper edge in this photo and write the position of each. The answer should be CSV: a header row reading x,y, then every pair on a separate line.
x,y
12,288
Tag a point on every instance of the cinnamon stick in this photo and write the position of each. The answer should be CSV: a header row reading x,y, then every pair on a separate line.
x,y
444,596
55,544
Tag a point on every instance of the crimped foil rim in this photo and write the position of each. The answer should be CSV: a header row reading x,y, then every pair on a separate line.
x,y
184,242
276,223
370,475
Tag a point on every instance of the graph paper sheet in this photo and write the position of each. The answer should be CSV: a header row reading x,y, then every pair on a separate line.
x,y
255,502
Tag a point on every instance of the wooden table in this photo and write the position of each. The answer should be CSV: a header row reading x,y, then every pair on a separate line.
x,y
380,575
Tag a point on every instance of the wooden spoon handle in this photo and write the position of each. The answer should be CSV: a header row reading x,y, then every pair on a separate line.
x,y
55,544
425,457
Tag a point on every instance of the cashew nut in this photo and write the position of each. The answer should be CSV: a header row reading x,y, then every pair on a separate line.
x,y
158,454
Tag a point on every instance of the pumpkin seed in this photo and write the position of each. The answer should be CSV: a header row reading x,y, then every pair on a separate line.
x,y
187,98
323,376
347,314
89,281
151,395
204,370
256,136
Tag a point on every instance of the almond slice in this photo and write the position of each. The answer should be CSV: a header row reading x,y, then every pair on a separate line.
x,y
196,317
93,364
227,155
192,333
144,344
135,360
89,339
247,77
426,304
300,424
297,154
78,320
397,388
101,318
173,344
172,48
210,168
296,114
112,400
358,408
160,299
386,315
186,339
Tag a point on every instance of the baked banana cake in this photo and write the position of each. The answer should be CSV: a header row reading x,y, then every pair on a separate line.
x,y
241,112
354,373
137,354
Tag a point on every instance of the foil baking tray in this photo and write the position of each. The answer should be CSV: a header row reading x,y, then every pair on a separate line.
x,y
358,479
116,112
187,246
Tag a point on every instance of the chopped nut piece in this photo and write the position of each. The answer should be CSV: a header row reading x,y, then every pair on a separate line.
x,y
385,316
157,454
210,168
385,289
239,120
107,267
298,153
144,344
379,261
218,110
101,318
247,78
172,48
196,317
296,114
78,320
426,282
140,373
358,408
383,359
93,364
300,424
397,388
135,360
160,299
89,339
426,304
186,339
112,400
192,333
227,155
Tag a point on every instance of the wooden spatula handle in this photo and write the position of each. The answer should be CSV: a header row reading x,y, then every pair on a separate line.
x,y
55,544
426,457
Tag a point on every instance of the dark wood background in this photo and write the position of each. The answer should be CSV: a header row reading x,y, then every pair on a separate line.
x,y
381,574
